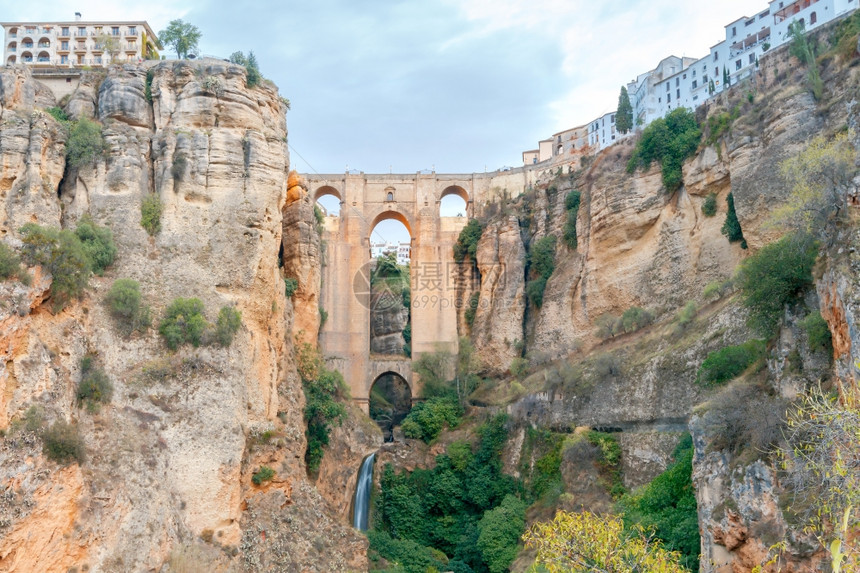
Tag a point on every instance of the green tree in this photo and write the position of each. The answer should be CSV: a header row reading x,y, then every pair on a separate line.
x,y
499,532
467,242
727,79
670,141
584,543
624,114
10,265
150,213
732,226
124,302
97,243
183,322
181,36
85,143
63,255
774,277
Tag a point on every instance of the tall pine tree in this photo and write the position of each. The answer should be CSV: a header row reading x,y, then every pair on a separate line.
x,y
624,115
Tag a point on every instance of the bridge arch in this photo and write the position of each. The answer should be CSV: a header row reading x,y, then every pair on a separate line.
x,y
391,214
329,199
390,401
455,190
454,201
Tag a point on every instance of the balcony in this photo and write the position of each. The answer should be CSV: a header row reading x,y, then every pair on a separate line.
x,y
44,45
63,50
81,34
98,48
13,35
12,49
131,34
64,34
80,49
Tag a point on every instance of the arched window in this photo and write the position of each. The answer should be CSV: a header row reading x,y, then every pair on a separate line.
x,y
389,196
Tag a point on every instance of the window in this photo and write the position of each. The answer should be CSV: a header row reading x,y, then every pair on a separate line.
x,y
752,58
390,196
716,72
114,30
612,118
694,84
668,98
64,45
738,65
64,59
65,31
667,86
678,81
716,56
678,94
81,31
734,31
132,30
813,18
694,73
659,100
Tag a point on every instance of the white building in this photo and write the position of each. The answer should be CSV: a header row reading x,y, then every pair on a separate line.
x,y
77,43
403,251
689,82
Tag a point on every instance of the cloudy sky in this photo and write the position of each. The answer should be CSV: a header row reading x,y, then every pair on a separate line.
x,y
455,85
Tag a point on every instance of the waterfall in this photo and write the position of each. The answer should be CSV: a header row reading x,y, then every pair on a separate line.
x,y
362,493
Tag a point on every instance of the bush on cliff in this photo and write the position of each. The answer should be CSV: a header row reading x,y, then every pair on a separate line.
x,y
541,264
324,390
97,243
61,254
227,325
183,323
670,141
150,214
467,242
124,302
775,276
732,226
95,387
427,419
667,506
85,143
571,205
729,362
63,443
10,265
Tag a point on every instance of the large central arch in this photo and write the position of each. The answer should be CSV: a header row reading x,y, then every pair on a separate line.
x,y
413,200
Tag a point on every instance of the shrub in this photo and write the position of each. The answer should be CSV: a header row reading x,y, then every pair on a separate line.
x,y
227,325
732,227
62,255
635,318
817,332
745,418
10,265
291,285
434,369
727,363
774,277
607,366
709,207
541,264
62,443
95,387
150,213
427,419
609,462
670,141
183,323
321,411
85,143
571,204
667,506
147,88
264,474
472,308
499,532
720,123
687,315
519,367
608,325
58,113
408,554
97,243
467,241
124,303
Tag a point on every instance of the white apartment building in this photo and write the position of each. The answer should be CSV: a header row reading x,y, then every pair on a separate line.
x,y
77,43
690,82
403,251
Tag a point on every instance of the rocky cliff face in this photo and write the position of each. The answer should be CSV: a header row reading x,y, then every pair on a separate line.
x,y
168,474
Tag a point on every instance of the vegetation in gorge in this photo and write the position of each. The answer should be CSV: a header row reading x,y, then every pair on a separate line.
x,y
540,263
183,323
821,466
667,507
726,363
66,257
11,267
467,241
709,206
63,443
670,141
571,205
427,419
732,226
150,214
325,392
804,50
448,508
95,388
775,276
585,542
85,143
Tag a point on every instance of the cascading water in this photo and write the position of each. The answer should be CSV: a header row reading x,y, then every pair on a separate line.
x,y
362,493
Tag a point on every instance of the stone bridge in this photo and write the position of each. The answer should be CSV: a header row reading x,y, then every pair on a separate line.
x,y
414,200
